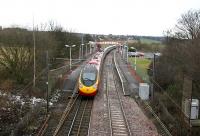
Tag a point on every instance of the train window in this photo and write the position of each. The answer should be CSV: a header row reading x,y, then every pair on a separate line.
x,y
89,75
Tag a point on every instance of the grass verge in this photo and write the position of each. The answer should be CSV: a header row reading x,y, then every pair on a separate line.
x,y
142,65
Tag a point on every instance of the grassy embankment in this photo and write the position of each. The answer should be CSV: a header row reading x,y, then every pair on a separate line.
x,y
149,45
149,41
142,65
146,45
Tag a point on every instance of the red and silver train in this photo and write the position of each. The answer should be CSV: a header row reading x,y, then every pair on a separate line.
x,y
89,76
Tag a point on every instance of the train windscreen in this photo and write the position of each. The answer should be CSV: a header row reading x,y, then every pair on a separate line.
x,y
89,76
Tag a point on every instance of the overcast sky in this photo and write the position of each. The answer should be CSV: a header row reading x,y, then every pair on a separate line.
x,y
133,17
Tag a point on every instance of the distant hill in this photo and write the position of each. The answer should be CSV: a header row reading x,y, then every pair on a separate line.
x,y
150,41
143,39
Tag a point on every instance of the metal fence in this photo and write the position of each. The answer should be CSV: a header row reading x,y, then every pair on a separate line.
x,y
169,110
177,107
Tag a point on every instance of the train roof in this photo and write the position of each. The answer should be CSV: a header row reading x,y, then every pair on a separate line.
x,y
90,67
93,61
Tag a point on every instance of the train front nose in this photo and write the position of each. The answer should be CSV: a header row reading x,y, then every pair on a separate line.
x,y
88,91
88,80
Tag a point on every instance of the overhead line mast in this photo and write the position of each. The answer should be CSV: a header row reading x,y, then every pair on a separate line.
x,y
34,63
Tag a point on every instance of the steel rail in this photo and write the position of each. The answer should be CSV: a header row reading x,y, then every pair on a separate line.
x,y
76,113
119,98
121,80
89,122
65,114
44,126
117,119
158,119
82,118
166,131
108,105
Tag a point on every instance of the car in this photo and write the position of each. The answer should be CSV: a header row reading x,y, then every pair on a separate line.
x,y
135,54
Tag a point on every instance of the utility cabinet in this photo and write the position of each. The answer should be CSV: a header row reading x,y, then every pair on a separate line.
x,y
194,109
144,91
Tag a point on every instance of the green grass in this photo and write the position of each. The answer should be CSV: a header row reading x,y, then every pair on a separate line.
x,y
141,67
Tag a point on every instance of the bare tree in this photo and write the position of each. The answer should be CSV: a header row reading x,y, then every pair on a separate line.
x,y
181,55
16,61
53,26
188,26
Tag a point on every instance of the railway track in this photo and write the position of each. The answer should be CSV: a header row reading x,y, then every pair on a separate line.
x,y
53,118
77,119
117,118
74,120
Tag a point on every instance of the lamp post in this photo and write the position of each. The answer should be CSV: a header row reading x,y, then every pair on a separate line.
x,y
80,53
135,57
82,50
90,42
70,55
135,60
155,55
86,50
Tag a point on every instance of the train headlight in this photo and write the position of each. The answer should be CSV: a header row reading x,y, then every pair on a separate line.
x,y
80,85
95,86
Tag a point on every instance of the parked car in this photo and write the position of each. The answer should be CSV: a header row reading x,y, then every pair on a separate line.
x,y
135,54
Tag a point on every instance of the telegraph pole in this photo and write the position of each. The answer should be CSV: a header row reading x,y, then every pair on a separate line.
x,y
154,61
34,63
82,46
85,49
47,83
80,52
153,86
